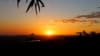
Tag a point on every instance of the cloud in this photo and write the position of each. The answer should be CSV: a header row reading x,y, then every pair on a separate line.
x,y
76,20
98,7
92,15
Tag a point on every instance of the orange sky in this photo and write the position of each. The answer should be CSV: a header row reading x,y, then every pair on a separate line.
x,y
14,20
40,26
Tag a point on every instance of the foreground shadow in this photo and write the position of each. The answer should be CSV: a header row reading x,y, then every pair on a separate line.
x,y
82,40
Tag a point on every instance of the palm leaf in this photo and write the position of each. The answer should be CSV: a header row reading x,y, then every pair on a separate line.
x,y
32,2
36,9
37,3
18,1
41,3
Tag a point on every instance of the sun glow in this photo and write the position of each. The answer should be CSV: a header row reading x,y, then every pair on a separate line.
x,y
49,32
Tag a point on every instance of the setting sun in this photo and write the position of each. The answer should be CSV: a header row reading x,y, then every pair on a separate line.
x,y
49,32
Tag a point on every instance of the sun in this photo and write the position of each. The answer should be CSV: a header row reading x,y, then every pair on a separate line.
x,y
49,32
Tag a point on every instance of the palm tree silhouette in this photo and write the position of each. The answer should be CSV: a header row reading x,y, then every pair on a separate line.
x,y
37,3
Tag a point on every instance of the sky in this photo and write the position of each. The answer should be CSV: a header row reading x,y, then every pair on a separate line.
x,y
15,21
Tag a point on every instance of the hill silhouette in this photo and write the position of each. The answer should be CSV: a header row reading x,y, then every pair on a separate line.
x,y
82,40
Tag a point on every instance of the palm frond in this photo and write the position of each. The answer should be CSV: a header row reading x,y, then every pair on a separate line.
x,y
37,3
41,3
18,1
32,2
36,9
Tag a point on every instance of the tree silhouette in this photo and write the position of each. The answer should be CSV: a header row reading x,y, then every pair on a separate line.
x,y
37,3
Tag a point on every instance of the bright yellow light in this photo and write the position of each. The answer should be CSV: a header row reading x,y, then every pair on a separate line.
x,y
49,32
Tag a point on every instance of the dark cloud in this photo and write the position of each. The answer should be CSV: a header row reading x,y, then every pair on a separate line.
x,y
98,7
76,20
92,15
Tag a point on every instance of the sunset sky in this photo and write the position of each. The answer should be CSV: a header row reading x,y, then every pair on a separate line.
x,y
14,21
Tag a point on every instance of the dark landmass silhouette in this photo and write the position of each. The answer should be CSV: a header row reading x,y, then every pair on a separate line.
x,y
82,40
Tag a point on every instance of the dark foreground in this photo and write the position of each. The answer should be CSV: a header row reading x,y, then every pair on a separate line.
x,y
87,41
